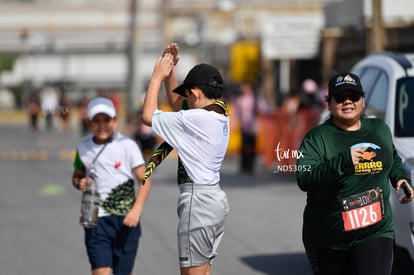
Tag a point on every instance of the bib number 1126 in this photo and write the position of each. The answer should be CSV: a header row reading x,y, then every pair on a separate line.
x,y
362,210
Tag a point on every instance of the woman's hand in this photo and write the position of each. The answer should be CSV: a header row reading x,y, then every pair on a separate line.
x,y
398,186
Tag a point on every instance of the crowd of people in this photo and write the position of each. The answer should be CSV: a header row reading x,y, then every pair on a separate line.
x,y
270,127
342,191
48,104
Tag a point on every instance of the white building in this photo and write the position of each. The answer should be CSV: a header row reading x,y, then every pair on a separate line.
x,y
85,41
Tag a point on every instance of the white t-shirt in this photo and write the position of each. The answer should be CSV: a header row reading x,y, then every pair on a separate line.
x,y
114,165
200,138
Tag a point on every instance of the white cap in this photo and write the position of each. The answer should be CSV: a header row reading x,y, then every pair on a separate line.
x,y
101,105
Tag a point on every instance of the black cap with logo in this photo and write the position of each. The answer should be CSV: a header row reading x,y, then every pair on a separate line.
x,y
344,82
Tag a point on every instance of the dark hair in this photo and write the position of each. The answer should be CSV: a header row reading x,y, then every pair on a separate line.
x,y
212,90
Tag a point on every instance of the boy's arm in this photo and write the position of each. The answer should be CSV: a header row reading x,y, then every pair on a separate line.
x,y
79,180
78,177
174,99
133,216
162,70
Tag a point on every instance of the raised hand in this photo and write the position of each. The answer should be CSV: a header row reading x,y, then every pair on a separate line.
x,y
174,51
163,67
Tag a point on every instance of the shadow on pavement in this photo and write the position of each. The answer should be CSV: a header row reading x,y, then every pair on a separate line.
x,y
297,263
280,264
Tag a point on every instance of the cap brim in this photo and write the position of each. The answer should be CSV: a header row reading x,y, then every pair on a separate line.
x,y
348,88
180,90
97,111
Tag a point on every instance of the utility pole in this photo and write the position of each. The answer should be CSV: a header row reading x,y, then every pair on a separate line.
x,y
131,59
378,32
164,20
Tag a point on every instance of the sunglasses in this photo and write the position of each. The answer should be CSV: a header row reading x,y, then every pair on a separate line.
x,y
342,98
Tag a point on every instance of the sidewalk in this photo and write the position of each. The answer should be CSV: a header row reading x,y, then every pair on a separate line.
x,y
13,117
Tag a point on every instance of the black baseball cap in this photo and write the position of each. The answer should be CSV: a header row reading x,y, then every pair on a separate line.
x,y
344,82
201,74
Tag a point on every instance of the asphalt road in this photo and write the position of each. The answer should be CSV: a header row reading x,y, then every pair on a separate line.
x,y
40,234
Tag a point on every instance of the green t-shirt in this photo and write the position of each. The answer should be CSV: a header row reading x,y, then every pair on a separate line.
x,y
330,177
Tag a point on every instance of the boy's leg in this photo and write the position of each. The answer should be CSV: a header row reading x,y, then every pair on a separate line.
x,y
125,247
98,246
102,271
112,246
196,270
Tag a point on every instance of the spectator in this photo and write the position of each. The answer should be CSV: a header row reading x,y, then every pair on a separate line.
x,y
64,112
49,106
33,108
83,113
246,108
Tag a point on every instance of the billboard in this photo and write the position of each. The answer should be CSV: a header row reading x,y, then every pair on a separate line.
x,y
291,36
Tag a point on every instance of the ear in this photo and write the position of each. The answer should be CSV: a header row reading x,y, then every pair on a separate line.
x,y
197,92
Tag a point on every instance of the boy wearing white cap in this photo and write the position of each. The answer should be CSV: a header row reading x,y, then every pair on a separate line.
x,y
111,161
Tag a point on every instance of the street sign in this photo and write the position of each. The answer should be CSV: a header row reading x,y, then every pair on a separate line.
x,y
291,36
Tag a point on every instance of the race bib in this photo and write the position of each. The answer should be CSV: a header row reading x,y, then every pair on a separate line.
x,y
363,209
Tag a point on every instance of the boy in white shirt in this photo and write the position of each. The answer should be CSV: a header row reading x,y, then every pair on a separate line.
x,y
113,160
200,136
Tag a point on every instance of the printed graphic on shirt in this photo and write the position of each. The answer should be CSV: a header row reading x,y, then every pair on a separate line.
x,y
225,129
120,200
368,163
